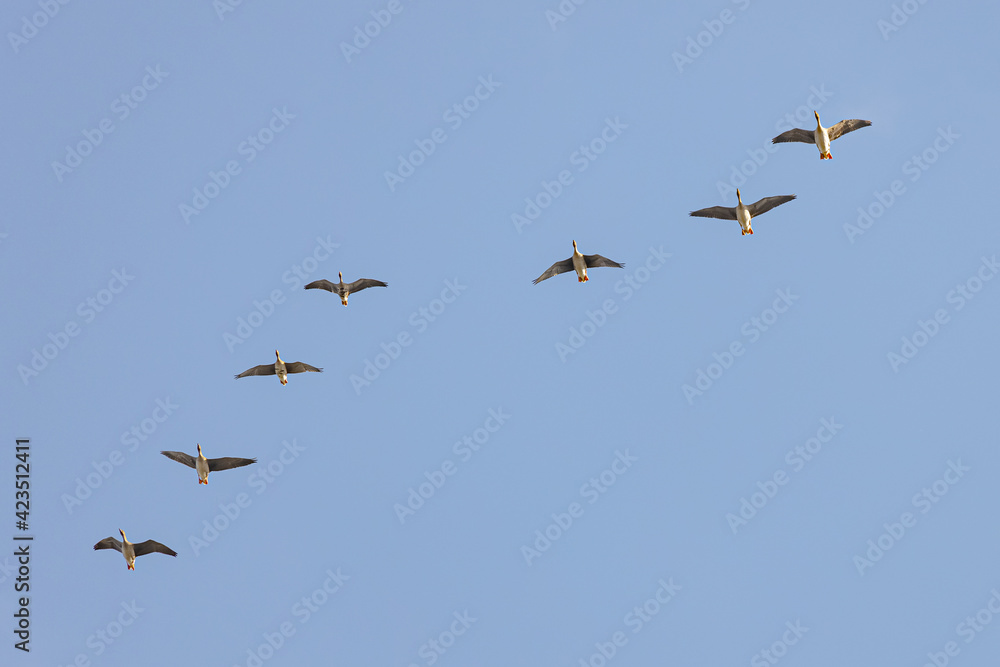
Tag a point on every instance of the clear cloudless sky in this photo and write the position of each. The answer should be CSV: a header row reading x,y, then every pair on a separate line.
x,y
783,442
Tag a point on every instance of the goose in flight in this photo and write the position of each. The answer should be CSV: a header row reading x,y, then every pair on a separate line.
x,y
279,368
132,551
342,288
579,263
821,136
204,466
742,213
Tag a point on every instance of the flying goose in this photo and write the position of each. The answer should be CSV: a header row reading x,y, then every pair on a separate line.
x,y
279,368
204,466
742,213
579,263
342,288
132,551
821,136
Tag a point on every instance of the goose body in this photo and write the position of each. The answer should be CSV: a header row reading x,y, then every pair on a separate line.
x,y
344,289
132,551
203,465
742,213
821,136
279,368
577,262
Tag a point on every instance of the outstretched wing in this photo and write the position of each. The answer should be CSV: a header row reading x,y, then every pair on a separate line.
x,y
365,283
720,212
180,457
845,126
767,203
554,270
299,367
802,136
228,462
322,284
149,546
594,261
108,543
266,369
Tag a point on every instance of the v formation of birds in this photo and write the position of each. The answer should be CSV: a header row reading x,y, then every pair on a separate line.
x,y
578,262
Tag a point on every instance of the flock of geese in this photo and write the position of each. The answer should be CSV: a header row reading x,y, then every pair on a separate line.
x,y
578,262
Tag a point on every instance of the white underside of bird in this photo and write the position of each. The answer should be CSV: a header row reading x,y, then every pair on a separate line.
x,y
280,370
743,215
822,140
347,291
823,143
579,265
128,550
201,466
821,137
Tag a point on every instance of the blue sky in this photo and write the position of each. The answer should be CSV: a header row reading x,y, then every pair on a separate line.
x,y
735,450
